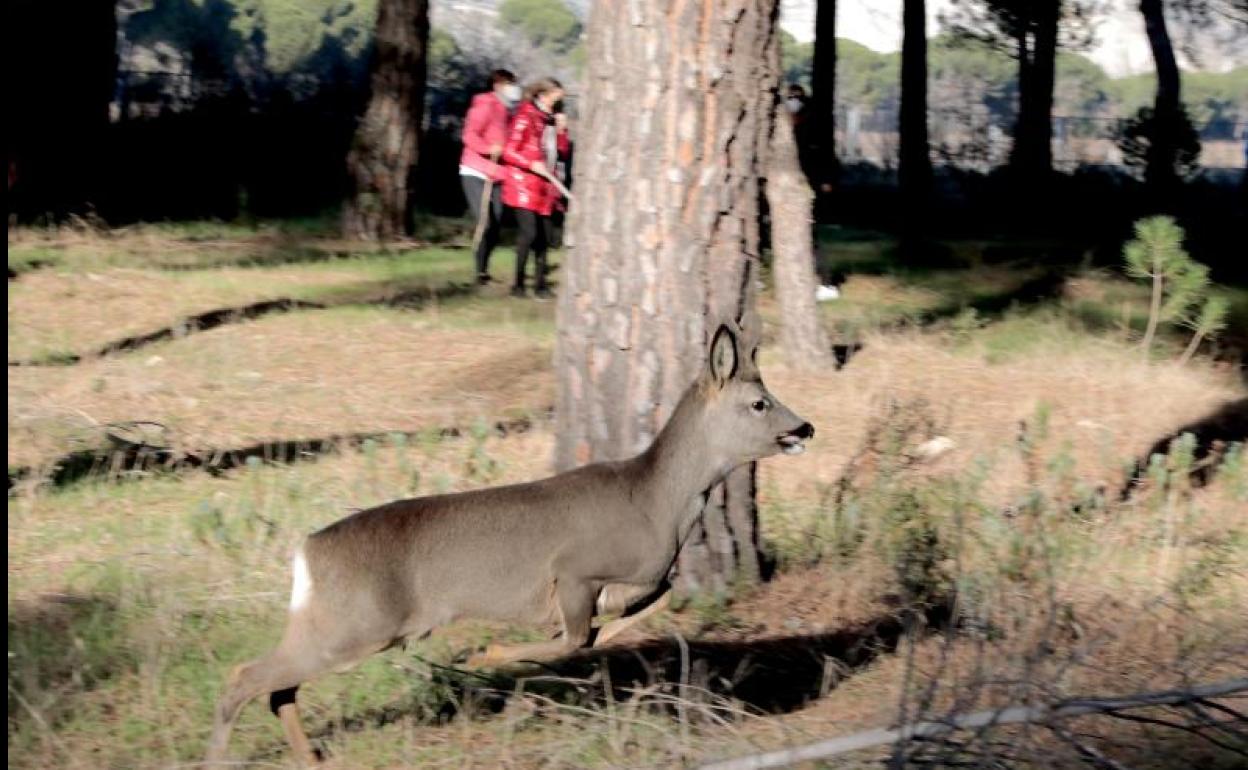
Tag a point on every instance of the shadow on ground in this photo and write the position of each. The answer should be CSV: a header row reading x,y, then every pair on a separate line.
x,y
379,293
686,678
60,646
1214,433
128,458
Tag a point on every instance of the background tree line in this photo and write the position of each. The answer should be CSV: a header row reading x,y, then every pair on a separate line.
x,y
965,71
249,107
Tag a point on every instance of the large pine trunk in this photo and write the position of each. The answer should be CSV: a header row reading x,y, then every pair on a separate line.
x,y
1159,168
1032,154
914,162
679,110
385,148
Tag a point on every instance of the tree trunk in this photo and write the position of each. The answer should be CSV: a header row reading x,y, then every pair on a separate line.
x,y
1159,164
823,95
793,254
915,164
679,105
63,74
386,144
1032,154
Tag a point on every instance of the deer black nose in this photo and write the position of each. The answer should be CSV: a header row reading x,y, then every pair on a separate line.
x,y
805,431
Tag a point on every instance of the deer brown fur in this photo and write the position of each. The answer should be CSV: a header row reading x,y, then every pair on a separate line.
x,y
601,538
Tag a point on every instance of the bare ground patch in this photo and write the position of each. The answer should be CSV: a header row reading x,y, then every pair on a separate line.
x,y
1102,403
312,374
76,313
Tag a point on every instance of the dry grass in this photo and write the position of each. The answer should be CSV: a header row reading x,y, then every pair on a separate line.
x,y
77,310
176,577
304,375
1103,400
69,312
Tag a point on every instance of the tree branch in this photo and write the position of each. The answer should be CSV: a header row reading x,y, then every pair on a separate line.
x,y
1012,715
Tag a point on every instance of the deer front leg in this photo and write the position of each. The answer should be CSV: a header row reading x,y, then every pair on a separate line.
x,y
619,625
576,610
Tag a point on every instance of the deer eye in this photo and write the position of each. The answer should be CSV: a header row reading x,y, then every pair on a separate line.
x,y
760,406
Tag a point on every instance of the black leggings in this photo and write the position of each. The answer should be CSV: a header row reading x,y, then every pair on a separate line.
x,y
474,188
536,232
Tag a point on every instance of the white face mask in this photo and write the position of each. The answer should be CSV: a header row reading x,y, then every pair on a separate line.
x,y
793,104
512,93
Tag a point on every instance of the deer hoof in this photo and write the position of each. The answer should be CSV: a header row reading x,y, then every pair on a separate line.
x,y
485,659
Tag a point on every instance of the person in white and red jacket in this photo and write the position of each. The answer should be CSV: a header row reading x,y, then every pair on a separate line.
x,y
485,132
537,139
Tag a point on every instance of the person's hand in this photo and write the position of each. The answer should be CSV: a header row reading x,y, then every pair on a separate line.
x,y
539,168
495,151
561,121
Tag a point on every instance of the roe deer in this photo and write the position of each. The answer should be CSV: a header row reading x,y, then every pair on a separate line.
x,y
599,539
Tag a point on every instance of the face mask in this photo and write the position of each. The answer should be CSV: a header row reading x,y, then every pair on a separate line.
x,y
793,104
512,93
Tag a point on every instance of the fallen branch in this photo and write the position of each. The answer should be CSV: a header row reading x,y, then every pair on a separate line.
x,y
980,719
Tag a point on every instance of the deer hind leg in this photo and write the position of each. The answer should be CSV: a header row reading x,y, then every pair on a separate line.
x,y
302,655
621,624
276,671
576,612
284,706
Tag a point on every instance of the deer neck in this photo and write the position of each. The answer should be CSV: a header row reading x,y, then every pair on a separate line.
x,y
679,468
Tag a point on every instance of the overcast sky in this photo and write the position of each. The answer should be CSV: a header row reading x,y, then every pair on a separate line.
x,y
1121,48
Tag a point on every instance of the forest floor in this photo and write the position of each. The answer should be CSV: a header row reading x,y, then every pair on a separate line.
x,y
1073,562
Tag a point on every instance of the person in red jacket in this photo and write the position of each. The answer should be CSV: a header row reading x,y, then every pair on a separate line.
x,y
536,139
485,130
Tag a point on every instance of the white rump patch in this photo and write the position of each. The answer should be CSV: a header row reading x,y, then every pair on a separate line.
x,y
301,590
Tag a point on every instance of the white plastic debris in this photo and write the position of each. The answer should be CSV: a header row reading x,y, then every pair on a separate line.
x,y
825,293
933,448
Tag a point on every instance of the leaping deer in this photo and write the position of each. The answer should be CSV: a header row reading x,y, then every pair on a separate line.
x,y
599,539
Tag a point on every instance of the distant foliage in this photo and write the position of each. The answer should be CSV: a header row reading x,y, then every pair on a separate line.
x,y
1139,135
548,24
796,59
965,71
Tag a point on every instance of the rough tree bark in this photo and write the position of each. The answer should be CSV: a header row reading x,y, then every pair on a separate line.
x,y
386,144
914,162
1159,164
679,109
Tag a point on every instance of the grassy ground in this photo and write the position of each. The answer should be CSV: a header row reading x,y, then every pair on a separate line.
x,y
128,601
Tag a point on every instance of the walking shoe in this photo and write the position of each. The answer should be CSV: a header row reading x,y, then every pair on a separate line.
x,y
483,279
543,294
518,291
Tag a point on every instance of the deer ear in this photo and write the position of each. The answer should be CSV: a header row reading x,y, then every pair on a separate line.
x,y
723,356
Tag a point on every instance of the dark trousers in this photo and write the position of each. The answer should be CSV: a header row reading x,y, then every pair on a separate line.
x,y
474,187
535,232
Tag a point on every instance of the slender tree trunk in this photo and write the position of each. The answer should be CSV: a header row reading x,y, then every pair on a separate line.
x,y
1154,311
62,76
1032,154
1159,164
679,106
1192,346
386,145
823,94
915,164
793,254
